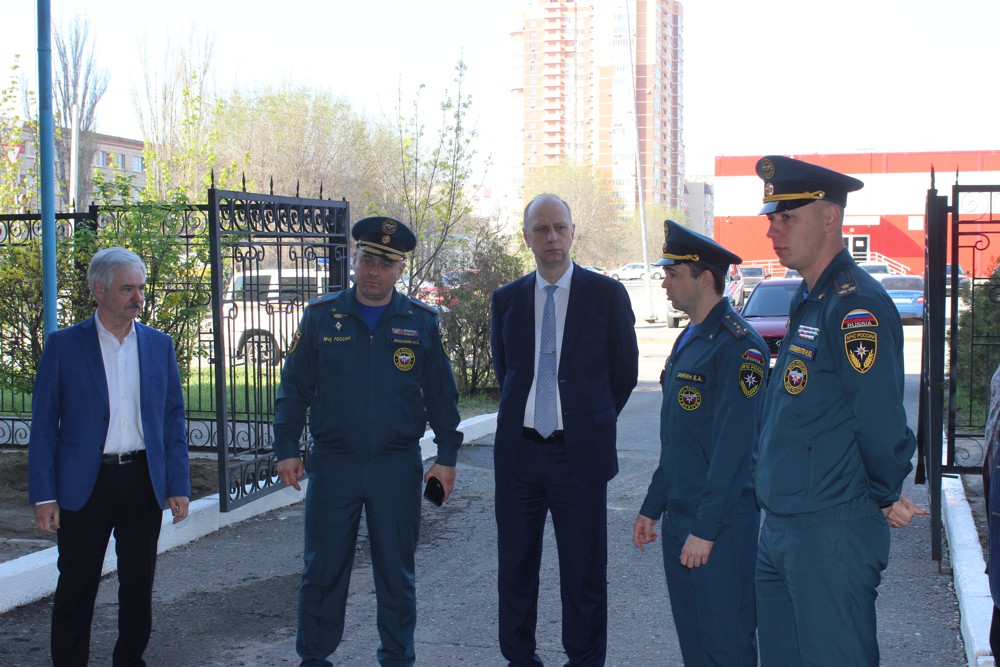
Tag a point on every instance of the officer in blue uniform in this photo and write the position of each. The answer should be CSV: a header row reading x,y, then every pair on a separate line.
x,y
834,447
369,367
712,398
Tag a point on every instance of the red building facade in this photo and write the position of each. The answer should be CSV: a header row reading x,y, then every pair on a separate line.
x,y
883,220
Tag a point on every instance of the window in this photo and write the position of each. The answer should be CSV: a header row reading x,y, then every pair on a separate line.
x,y
137,163
99,158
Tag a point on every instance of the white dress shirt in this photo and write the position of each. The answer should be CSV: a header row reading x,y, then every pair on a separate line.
x,y
121,368
561,298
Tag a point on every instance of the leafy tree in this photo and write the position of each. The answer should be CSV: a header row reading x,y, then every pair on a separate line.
x,y
431,187
176,116
466,312
300,140
78,81
601,237
15,189
22,328
175,249
655,215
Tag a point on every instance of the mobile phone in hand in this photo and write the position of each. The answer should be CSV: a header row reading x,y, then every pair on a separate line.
x,y
434,492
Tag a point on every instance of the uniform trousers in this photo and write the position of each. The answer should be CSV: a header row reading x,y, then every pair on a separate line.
x,y
817,578
541,483
713,605
123,502
388,489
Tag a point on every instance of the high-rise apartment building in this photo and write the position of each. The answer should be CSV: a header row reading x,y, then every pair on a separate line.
x,y
600,82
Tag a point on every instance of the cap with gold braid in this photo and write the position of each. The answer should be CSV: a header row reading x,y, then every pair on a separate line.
x,y
790,183
683,246
384,237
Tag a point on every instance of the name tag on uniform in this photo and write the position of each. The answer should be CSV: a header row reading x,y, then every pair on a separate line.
x,y
690,377
337,339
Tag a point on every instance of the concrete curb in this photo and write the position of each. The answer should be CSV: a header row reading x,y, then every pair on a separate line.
x,y
32,577
972,586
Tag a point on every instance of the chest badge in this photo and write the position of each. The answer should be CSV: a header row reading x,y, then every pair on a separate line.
x,y
795,377
861,348
689,398
404,359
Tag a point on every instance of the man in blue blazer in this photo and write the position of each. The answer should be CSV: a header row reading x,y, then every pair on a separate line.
x,y
566,360
107,452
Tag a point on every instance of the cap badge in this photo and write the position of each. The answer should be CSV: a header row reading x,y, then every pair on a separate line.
x,y
389,226
766,168
386,239
768,189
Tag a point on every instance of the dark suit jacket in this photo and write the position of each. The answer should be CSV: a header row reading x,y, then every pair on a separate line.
x,y
598,368
70,413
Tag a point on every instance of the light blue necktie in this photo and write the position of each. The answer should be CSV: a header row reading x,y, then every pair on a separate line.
x,y
546,419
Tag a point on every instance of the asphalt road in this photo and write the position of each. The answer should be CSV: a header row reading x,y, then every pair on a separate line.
x,y
229,599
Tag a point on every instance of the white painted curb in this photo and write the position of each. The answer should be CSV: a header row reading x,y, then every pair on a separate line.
x,y
972,586
33,577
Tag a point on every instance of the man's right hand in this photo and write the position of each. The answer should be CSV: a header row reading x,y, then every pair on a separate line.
x,y
644,531
47,517
291,471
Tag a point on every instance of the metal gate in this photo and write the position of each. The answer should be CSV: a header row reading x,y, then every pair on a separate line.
x,y
270,255
961,336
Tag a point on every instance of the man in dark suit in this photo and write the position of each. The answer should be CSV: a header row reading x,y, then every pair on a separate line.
x,y
566,360
107,452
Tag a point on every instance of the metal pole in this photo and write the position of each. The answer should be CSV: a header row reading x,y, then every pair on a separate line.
x,y
74,156
638,166
46,152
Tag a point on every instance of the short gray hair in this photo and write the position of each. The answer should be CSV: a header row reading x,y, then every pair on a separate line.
x,y
106,262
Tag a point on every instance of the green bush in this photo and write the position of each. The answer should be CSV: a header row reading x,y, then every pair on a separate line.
x,y
977,359
466,312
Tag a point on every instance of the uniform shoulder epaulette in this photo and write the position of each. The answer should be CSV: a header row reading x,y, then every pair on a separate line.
x,y
324,299
423,306
735,326
845,284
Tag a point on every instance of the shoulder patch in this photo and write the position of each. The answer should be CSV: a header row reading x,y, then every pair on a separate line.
x,y
859,318
423,306
845,283
324,299
735,326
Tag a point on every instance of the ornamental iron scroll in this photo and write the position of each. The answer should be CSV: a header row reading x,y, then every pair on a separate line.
x,y
270,256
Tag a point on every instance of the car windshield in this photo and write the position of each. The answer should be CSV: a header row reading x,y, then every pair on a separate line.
x,y
770,300
909,283
753,272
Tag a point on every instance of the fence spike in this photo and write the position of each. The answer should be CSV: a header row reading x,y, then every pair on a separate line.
x,y
272,184
296,188
321,189
932,177
212,181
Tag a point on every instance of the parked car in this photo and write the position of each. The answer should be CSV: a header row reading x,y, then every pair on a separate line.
x,y
734,286
767,310
597,269
674,316
441,294
261,309
907,293
875,268
793,273
637,271
751,276
963,281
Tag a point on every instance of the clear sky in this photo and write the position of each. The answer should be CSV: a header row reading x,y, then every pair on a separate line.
x,y
769,76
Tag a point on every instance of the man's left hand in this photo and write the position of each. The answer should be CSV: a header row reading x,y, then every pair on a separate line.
x,y
695,551
901,512
178,507
445,474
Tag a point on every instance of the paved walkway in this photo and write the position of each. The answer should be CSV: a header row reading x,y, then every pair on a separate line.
x,y
227,576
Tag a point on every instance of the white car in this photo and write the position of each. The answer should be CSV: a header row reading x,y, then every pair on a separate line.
x,y
637,271
261,310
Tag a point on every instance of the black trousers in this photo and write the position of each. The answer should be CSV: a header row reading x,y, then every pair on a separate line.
x,y
123,502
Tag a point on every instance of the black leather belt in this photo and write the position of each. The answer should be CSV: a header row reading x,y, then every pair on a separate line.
x,y
124,457
532,434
